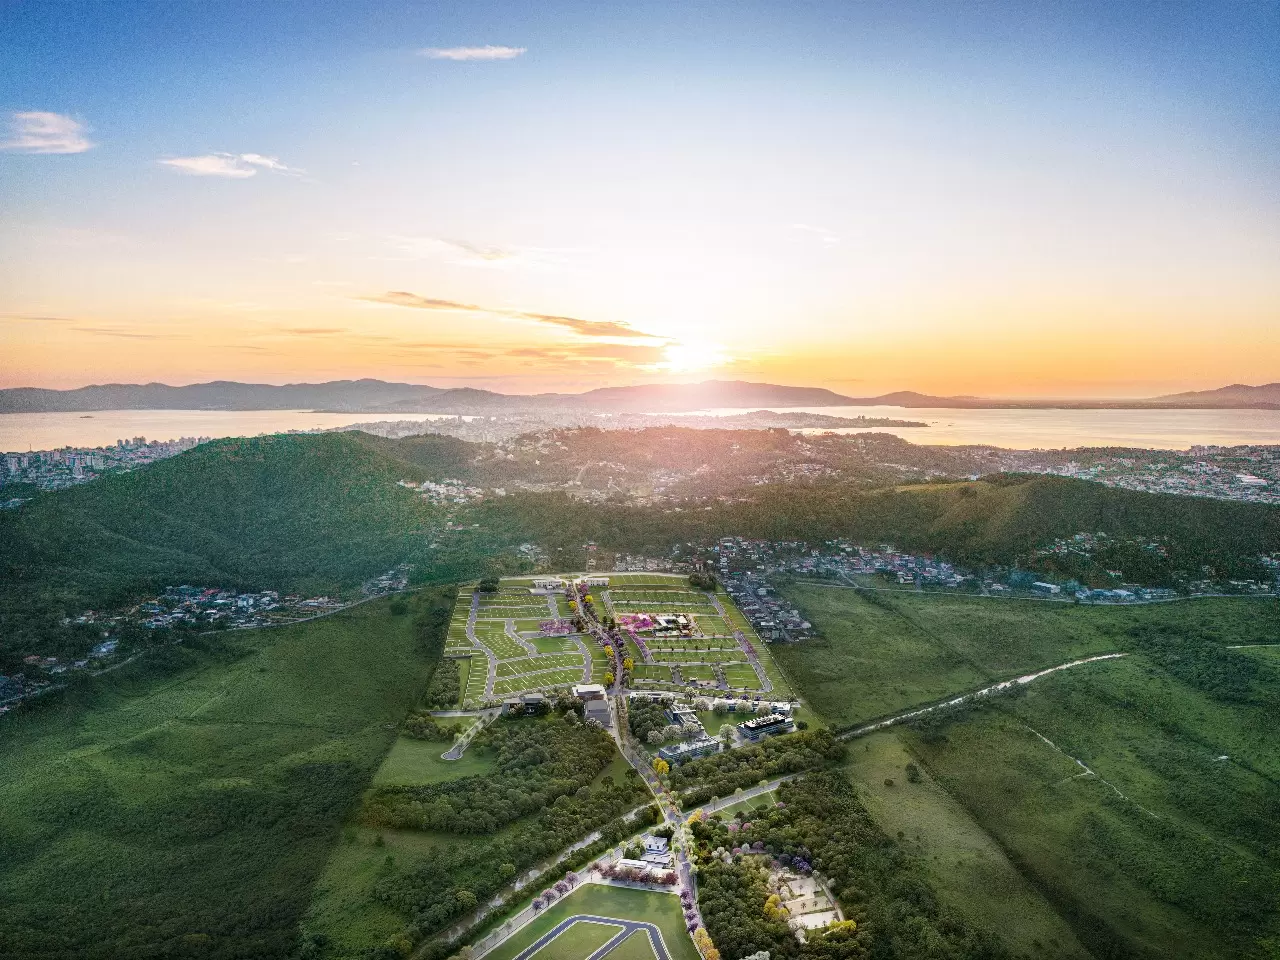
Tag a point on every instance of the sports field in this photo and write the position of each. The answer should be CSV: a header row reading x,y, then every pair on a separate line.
x,y
660,909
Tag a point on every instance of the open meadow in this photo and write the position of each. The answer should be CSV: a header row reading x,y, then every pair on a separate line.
x,y
881,653
1125,808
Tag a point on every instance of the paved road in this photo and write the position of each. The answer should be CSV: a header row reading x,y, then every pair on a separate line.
x,y
628,927
458,749
711,806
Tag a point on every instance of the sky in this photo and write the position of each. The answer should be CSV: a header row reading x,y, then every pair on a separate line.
x,y
1002,199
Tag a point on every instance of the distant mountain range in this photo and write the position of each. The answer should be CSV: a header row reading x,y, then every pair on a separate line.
x,y
377,396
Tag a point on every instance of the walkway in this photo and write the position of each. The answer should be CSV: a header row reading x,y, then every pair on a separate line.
x,y
458,749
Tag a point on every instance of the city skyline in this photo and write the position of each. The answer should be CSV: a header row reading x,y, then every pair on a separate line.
x,y
1065,201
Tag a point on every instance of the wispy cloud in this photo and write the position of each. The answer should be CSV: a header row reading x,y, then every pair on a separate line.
x,y
463,253
400,298
488,52
38,131
130,334
823,234
232,166
584,328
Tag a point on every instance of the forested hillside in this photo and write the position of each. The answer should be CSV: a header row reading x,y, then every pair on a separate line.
x,y
323,512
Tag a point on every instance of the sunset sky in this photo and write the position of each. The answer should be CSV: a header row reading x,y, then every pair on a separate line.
x,y
1005,199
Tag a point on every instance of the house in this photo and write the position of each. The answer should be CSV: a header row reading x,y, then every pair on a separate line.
x,y
656,851
548,584
681,715
1050,588
766,726
527,703
598,710
595,581
689,750
588,691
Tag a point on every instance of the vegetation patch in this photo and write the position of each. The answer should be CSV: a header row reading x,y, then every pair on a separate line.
x,y
449,845
820,828
187,802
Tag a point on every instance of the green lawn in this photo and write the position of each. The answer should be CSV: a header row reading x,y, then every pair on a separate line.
x,y
193,797
742,677
660,909
579,941
697,673
418,761
635,947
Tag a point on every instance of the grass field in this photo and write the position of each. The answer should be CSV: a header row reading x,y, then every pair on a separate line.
x,y
578,941
513,685
1168,848
193,797
697,673
635,947
660,909
881,654
341,908
741,677
418,761
967,867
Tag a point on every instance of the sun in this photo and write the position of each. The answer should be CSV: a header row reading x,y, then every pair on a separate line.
x,y
688,357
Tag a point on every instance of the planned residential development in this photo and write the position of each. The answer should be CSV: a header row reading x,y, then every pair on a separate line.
x,y
644,633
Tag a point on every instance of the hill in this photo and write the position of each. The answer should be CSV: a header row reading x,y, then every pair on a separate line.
x,y
184,805
341,395
320,513
293,513
1266,396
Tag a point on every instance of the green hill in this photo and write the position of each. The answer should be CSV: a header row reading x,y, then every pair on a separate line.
x,y
320,513
1001,519
306,513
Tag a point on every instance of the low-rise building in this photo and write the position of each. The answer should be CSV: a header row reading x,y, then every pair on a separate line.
x,y
770,725
589,691
598,710
689,750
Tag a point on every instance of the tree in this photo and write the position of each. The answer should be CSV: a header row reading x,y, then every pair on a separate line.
x,y
913,773
488,585
661,767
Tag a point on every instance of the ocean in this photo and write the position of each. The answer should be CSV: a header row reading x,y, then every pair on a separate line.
x,y
1018,429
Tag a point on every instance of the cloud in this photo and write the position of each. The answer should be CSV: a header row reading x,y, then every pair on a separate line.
x,y
401,298
456,251
589,328
38,131
487,52
129,334
826,236
584,328
232,166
